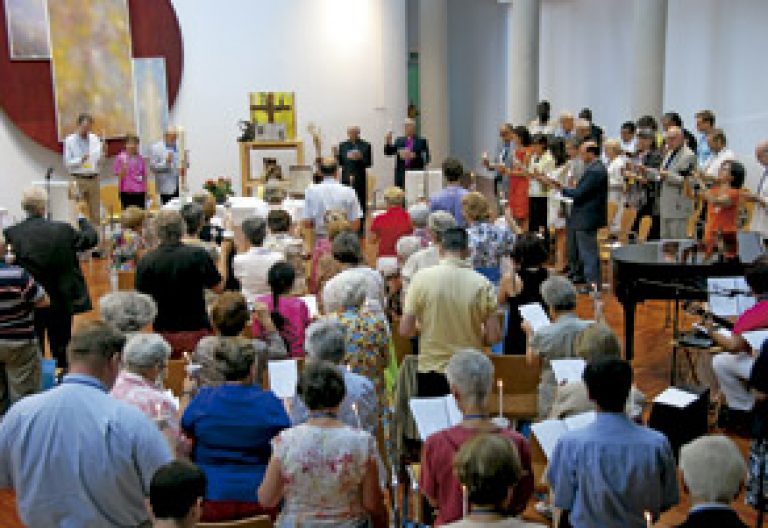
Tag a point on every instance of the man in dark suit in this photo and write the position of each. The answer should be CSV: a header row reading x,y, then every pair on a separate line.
x,y
354,157
713,473
412,152
48,251
590,209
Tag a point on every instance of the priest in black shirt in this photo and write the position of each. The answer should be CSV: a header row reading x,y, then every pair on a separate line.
x,y
354,157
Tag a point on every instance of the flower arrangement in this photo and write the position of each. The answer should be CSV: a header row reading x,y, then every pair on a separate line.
x,y
221,188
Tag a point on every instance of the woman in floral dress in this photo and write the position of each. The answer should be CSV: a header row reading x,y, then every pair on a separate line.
x,y
324,471
488,242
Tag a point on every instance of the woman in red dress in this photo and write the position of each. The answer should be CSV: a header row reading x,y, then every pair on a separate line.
x,y
518,178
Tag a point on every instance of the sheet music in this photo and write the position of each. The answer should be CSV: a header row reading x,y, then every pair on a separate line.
x,y
726,304
283,377
311,301
676,398
756,338
534,315
433,415
568,370
577,421
548,432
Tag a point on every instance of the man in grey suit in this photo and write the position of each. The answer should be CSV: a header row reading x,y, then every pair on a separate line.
x,y
675,208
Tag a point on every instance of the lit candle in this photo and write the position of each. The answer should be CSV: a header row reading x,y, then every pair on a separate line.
x,y
158,410
464,501
648,519
500,384
357,415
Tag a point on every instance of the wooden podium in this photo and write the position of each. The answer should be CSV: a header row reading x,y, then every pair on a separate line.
x,y
245,158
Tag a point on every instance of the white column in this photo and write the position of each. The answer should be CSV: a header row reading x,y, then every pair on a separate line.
x,y
649,53
433,76
523,62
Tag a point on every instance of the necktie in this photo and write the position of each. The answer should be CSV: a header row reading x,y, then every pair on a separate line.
x,y
408,146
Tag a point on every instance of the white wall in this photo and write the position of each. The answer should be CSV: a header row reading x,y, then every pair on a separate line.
x,y
477,55
345,59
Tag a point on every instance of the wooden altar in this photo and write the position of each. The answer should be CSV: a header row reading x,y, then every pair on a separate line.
x,y
247,180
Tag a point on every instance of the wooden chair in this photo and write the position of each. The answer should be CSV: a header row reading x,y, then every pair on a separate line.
x,y
371,188
745,214
262,521
520,386
110,201
604,233
644,229
126,280
175,375
628,216
402,344
153,196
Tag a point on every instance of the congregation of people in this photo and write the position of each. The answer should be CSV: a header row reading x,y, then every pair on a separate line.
x,y
108,445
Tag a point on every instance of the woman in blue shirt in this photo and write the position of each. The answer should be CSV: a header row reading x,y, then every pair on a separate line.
x,y
232,426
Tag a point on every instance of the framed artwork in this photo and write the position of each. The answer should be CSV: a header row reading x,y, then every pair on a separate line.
x,y
27,22
151,94
92,65
276,112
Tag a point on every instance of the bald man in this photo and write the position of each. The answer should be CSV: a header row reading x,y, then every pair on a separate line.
x,y
164,162
354,157
675,208
760,216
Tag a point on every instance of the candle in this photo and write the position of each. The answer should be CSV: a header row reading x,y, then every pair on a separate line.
x,y
357,415
648,519
500,385
181,146
464,501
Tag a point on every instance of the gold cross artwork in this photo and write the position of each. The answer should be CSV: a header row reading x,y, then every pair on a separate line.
x,y
274,107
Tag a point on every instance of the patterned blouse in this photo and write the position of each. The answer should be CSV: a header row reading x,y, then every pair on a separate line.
x,y
323,472
126,246
367,338
488,243
155,403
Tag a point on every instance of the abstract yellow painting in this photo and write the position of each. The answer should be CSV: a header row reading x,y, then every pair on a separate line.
x,y
92,65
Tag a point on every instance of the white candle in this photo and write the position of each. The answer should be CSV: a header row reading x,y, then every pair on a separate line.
x,y
648,519
464,501
357,415
500,384
181,146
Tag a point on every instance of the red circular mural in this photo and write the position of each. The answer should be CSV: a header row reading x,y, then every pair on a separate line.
x,y
26,87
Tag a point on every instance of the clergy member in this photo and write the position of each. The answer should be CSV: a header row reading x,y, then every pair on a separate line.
x,y
411,149
164,161
354,157
83,151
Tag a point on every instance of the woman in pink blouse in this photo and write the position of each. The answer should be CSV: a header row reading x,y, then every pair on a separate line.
x,y
132,173
140,383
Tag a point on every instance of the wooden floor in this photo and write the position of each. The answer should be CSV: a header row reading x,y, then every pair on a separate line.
x,y
651,367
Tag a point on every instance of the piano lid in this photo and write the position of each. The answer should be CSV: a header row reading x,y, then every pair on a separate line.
x,y
675,252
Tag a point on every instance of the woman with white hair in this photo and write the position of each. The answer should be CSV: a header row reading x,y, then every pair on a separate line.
x,y
128,311
419,213
366,335
145,357
470,376
389,226
346,249
251,267
713,473
325,341
556,340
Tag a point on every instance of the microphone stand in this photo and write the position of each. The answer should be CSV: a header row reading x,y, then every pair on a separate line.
x,y
48,175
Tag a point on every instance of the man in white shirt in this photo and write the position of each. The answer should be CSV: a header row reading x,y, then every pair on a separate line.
x,y
542,124
252,267
718,154
330,195
760,215
83,151
164,162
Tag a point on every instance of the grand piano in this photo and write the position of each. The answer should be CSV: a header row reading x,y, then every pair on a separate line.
x,y
669,270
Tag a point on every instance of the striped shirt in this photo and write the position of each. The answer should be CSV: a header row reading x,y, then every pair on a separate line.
x,y
18,294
